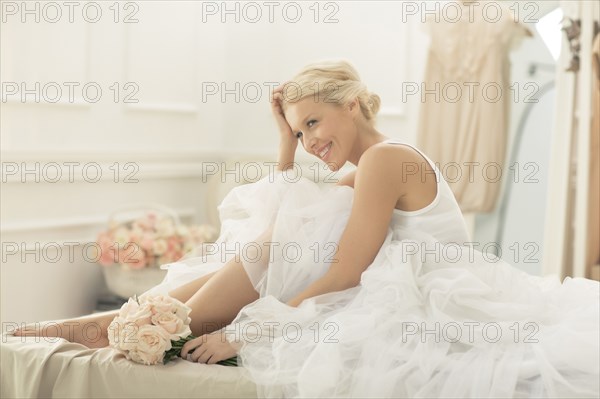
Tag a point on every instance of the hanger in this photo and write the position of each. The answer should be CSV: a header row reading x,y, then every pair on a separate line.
x,y
528,32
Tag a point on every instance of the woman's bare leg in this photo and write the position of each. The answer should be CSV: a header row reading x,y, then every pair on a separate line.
x,y
89,330
185,292
220,299
215,299
92,330
216,304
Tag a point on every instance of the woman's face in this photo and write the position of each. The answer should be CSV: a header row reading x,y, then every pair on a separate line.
x,y
326,130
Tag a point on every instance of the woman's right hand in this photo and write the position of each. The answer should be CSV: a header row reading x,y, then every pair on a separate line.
x,y
285,131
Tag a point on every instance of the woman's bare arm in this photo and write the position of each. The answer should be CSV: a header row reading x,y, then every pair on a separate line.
x,y
286,156
287,141
378,185
347,180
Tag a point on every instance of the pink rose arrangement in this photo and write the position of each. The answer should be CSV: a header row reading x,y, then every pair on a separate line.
x,y
153,329
150,241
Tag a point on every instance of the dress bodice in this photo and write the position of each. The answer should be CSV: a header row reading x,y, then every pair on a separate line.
x,y
442,218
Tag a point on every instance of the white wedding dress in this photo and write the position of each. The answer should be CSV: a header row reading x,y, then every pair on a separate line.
x,y
431,317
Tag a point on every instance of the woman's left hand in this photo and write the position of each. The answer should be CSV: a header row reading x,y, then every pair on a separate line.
x,y
208,348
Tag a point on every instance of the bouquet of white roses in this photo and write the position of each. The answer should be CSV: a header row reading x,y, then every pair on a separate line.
x,y
153,329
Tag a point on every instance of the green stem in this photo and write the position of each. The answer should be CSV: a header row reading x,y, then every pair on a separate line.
x,y
175,351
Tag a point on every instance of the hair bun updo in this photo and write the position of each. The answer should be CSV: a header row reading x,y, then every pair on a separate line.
x,y
337,82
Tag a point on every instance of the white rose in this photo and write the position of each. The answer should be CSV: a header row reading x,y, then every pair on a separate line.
x,y
182,230
152,343
172,324
122,236
134,356
137,230
132,311
208,232
159,247
166,303
183,311
165,228
159,303
122,334
114,330
203,233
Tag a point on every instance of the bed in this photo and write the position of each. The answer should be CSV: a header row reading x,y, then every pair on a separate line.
x,y
34,367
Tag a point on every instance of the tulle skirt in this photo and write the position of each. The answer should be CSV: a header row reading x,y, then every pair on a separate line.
x,y
453,322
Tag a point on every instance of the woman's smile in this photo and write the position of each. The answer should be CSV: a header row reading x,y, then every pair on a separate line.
x,y
324,154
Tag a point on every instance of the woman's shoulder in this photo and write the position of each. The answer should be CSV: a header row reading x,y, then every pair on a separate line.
x,y
384,163
391,157
392,161
375,153
394,164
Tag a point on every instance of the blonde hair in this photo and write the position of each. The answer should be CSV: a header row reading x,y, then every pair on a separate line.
x,y
332,81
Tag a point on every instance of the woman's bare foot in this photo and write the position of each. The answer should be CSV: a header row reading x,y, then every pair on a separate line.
x,y
91,330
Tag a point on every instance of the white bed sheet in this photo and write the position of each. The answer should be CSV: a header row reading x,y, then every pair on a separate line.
x,y
33,367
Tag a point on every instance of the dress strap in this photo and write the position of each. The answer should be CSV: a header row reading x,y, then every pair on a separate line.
x,y
436,171
431,163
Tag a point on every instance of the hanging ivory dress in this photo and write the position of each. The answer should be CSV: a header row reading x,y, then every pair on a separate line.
x,y
465,128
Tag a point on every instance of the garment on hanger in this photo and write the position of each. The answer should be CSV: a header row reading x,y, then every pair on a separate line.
x,y
593,253
464,125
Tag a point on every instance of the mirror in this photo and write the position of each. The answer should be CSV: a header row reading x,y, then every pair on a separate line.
x,y
517,224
